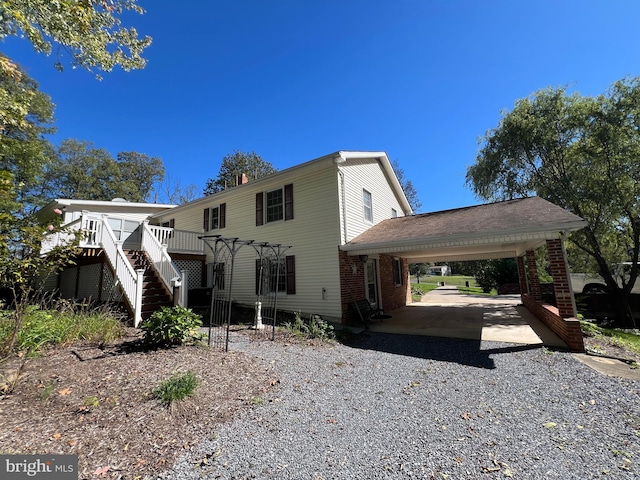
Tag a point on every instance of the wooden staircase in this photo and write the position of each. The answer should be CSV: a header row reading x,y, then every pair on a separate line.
x,y
154,293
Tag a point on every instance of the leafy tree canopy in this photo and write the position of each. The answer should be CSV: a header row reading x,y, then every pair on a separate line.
x,y
82,171
26,115
90,31
579,153
234,165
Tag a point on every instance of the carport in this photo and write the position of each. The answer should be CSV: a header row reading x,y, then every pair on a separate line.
x,y
509,229
445,312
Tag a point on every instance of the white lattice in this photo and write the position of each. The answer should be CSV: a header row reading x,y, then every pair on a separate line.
x,y
68,283
89,281
194,271
110,292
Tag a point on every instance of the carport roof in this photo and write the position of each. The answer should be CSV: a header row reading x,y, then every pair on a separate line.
x,y
496,230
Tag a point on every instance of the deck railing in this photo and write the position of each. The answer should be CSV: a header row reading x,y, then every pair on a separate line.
x,y
159,256
155,241
129,279
178,241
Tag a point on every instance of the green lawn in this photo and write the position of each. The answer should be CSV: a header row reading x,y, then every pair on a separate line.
x,y
457,280
625,339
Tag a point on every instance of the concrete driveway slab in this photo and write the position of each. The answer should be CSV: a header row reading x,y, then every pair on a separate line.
x,y
445,312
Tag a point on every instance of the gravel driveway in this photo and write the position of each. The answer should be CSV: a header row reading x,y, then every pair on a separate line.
x,y
391,406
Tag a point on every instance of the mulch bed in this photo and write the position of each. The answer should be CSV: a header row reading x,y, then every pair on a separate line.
x,y
98,404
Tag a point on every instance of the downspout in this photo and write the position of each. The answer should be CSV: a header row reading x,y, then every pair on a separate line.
x,y
338,160
344,204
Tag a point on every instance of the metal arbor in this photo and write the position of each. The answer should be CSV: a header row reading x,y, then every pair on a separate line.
x,y
269,278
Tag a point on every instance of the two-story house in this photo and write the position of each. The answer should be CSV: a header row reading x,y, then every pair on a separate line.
x,y
314,208
315,238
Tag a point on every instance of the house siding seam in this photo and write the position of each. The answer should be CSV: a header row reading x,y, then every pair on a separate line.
x,y
366,174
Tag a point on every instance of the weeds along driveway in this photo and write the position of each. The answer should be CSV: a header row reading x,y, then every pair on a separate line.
x,y
400,406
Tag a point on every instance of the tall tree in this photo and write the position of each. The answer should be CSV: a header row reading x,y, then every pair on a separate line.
x,y
170,190
580,153
26,116
138,173
234,165
408,188
90,31
82,171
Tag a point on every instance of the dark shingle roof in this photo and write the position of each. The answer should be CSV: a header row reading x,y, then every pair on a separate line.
x,y
512,216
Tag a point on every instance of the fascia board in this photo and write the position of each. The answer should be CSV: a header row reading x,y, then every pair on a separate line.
x,y
519,235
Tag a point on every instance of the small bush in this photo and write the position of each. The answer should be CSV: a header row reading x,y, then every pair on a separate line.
x,y
172,326
316,327
176,388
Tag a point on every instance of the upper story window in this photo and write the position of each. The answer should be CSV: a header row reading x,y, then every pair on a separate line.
x,y
274,205
214,218
368,205
394,213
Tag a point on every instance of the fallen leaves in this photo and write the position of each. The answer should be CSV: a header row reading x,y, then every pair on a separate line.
x,y
102,471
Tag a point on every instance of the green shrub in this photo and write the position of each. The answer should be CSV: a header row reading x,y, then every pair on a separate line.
x,y
316,327
172,326
176,388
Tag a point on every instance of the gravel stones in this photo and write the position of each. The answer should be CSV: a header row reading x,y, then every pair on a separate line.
x,y
395,406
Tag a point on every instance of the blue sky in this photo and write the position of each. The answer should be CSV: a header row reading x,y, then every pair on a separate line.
x,y
294,80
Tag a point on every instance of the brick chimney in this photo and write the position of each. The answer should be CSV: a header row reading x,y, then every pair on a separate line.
x,y
241,179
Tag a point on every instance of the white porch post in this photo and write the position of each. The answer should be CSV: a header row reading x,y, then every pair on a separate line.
x,y
137,309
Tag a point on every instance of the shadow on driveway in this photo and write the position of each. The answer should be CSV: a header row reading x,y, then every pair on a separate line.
x,y
461,351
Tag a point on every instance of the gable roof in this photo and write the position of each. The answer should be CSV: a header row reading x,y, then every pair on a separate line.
x,y
495,230
337,158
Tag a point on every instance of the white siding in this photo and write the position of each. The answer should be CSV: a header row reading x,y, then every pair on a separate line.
x,y
314,234
369,175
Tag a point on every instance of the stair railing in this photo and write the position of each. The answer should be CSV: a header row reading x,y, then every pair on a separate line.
x,y
161,261
129,279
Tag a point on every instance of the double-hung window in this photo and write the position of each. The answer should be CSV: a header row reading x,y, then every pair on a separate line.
x,y
274,205
215,275
368,205
214,218
273,276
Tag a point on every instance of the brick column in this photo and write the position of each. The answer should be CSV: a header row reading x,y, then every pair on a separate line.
x,y
561,285
522,276
534,281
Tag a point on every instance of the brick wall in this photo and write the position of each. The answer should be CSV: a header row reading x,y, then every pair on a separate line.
x,y
568,329
560,274
522,275
351,282
532,274
394,296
